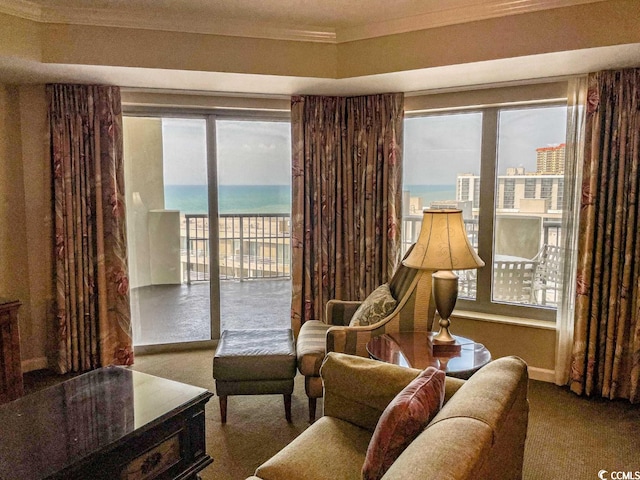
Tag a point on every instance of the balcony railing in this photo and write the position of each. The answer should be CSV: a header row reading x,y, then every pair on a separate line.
x,y
249,245
257,246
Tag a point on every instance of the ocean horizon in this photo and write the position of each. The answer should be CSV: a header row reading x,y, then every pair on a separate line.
x,y
267,198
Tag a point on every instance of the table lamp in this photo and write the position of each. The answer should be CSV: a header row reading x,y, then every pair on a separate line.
x,y
443,246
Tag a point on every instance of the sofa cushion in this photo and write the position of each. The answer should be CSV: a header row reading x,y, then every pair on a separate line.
x,y
330,449
403,420
375,307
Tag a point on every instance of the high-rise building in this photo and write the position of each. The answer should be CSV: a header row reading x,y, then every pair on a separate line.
x,y
516,193
550,160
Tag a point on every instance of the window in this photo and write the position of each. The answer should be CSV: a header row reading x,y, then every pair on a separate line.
x,y
505,166
441,170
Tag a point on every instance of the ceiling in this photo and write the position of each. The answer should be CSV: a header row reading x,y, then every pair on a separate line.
x,y
325,21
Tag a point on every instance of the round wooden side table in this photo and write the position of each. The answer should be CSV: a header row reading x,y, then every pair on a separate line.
x,y
416,350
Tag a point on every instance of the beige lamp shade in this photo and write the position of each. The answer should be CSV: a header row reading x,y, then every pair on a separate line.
x,y
443,243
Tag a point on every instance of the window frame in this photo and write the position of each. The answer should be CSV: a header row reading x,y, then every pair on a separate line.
x,y
483,302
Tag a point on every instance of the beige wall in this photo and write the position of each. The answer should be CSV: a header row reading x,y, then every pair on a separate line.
x,y
186,51
533,343
561,29
14,267
25,218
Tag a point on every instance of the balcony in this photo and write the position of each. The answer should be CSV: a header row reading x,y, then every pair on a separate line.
x,y
253,268
181,313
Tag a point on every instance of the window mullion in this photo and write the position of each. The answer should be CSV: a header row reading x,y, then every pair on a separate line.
x,y
214,234
488,164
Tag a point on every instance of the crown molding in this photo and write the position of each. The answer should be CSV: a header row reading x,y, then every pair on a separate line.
x,y
486,10
203,24
187,24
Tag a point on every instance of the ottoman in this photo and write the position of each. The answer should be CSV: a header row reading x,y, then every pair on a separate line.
x,y
255,362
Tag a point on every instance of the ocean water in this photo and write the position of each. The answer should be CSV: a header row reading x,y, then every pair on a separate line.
x,y
231,198
268,198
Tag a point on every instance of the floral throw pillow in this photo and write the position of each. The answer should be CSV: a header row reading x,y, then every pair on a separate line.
x,y
403,420
376,306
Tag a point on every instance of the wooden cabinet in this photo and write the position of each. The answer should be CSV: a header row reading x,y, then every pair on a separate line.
x,y
11,386
112,423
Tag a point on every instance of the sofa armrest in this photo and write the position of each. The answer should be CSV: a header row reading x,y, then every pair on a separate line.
x,y
339,312
480,433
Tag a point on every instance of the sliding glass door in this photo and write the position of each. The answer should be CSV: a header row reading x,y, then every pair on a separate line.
x,y
208,216
167,224
254,205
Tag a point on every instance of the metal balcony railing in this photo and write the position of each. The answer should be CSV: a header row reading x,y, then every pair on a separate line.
x,y
249,246
257,246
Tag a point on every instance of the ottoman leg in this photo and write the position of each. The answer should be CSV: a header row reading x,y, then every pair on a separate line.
x,y
287,406
223,409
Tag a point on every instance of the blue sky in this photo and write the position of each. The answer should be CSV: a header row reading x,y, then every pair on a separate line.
x,y
436,148
249,153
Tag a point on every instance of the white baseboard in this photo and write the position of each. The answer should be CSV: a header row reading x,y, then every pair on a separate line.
x,y
542,374
34,364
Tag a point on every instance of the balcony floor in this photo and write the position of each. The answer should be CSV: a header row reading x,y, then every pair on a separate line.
x,y
180,313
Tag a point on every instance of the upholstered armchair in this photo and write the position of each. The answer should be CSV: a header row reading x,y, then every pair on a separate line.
x,y
413,311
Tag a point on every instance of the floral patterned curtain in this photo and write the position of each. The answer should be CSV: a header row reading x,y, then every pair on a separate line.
x,y
346,210
93,316
606,349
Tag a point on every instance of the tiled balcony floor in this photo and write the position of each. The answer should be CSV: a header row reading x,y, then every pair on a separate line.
x,y
180,313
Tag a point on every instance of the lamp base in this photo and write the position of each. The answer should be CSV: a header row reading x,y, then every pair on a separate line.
x,y
444,336
445,294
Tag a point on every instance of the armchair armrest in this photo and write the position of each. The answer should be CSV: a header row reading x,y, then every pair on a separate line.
x,y
339,312
352,340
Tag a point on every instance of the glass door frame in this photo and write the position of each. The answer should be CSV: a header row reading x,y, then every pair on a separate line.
x,y
210,116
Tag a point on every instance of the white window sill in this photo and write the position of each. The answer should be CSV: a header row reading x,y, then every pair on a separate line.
x,y
520,321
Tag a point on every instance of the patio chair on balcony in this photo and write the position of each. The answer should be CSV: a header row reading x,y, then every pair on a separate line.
x,y
513,280
547,279
413,310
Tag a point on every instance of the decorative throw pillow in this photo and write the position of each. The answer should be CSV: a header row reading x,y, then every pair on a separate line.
x,y
375,307
403,420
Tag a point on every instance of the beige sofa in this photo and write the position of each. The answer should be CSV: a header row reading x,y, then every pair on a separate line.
x,y
478,434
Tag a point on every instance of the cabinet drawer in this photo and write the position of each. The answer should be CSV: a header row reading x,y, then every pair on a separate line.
x,y
155,461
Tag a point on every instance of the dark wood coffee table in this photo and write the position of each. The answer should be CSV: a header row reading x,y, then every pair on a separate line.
x,y
111,423
416,350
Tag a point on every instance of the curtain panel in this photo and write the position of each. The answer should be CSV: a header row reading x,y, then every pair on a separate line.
x,y
93,319
606,349
347,189
576,103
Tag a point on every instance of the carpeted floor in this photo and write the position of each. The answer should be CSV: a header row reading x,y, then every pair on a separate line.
x,y
568,438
